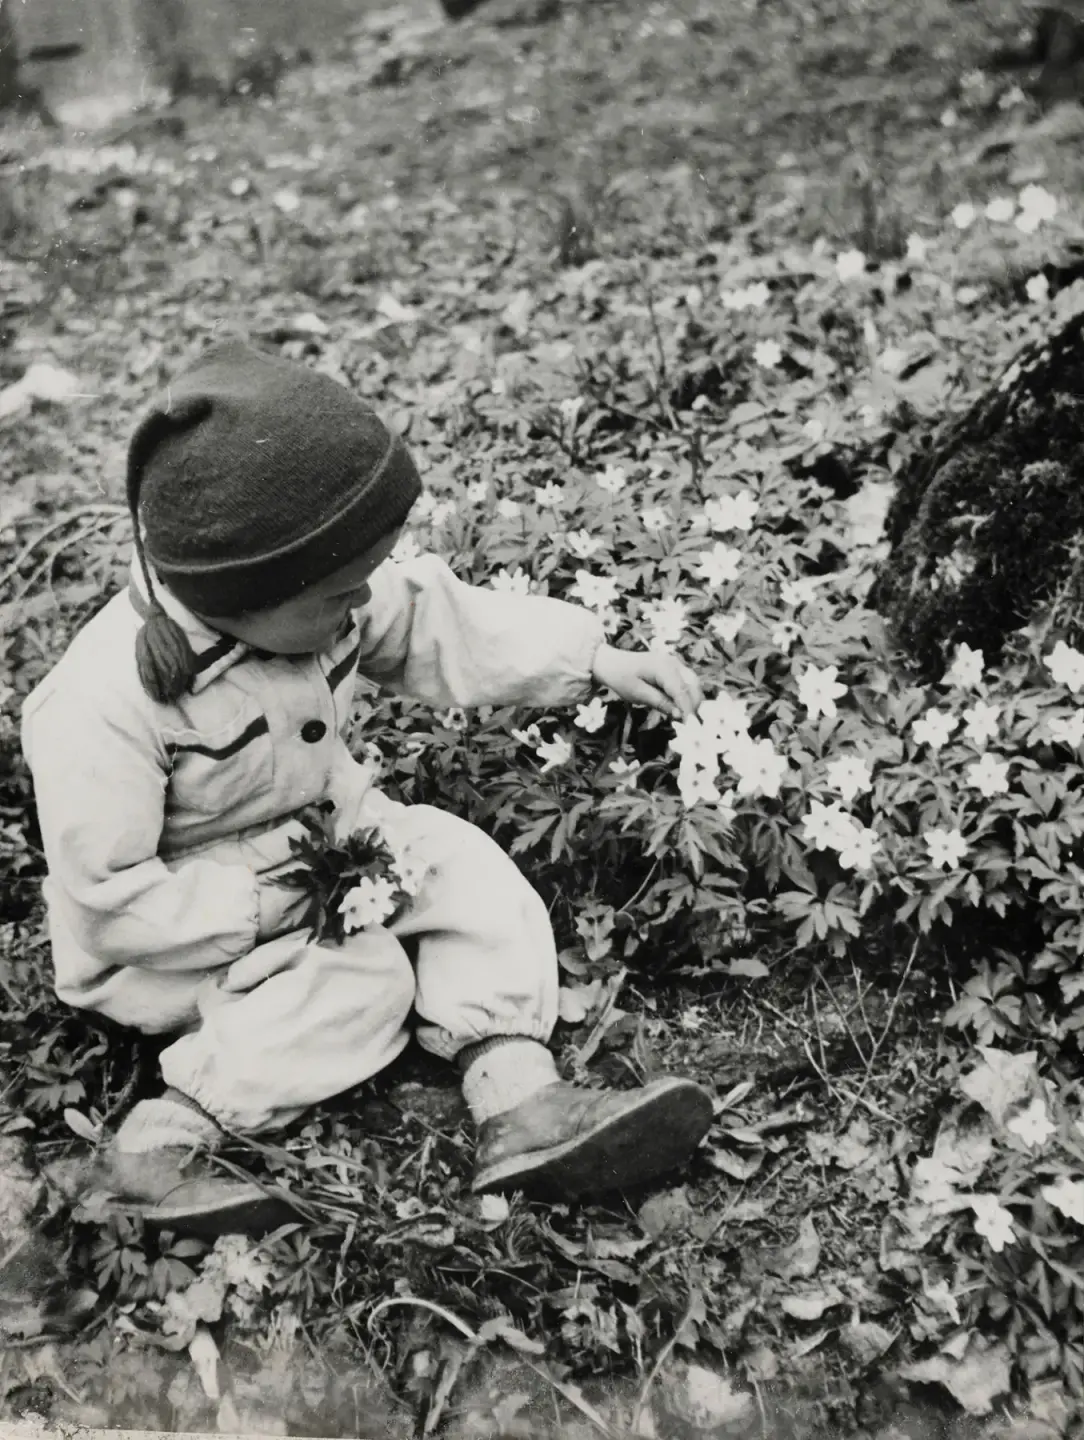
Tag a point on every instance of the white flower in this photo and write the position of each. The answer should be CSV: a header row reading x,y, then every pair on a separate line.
x,y
696,783
850,264
655,518
493,1209
916,248
785,634
818,690
719,565
992,1221
1036,205
826,827
626,772
1067,1197
1066,665
694,741
594,591
477,491
406,548
583,544
667,619
981,723
1033,1124
724,718
892,360
949,118
966,669
731,512
758,765
1068,731
849,776
767,353
531,736
613,479
592,716
425,504
442,510
411,873
963,216
516,583
796,593
1038,288
861,846
509,509
814,430
968,294
752,297
947,847
549,496
370,902
553,753
989,775
934,728
727,626
454,719
1001,210
570,409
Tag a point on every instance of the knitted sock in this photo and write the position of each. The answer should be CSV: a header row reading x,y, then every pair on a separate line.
x,y
170,1122
503,1071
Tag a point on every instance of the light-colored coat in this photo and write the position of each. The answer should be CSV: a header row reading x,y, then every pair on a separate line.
x,y
148,811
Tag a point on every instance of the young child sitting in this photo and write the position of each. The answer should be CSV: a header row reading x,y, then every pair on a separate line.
x,y
175,742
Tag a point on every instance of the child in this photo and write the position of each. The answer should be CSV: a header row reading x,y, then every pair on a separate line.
x,y
174,744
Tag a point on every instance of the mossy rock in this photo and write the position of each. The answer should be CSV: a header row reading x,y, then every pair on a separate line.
x,y
987,525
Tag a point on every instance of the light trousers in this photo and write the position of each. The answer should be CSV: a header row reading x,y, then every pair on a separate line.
x,y
293,1023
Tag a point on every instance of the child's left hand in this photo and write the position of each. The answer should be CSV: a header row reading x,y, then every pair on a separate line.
x,y
649,677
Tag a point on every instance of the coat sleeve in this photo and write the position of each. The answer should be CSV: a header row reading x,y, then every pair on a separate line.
x,y
100,774
429,636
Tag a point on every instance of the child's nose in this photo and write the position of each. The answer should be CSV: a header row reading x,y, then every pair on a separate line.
x,y
362,595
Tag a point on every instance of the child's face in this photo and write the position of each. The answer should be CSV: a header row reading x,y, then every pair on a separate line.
x,y
310,621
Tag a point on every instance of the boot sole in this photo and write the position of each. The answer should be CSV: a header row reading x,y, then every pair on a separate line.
x,y
645,1141
249,1212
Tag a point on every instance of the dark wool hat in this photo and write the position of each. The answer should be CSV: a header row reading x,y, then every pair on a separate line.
x,y
253,477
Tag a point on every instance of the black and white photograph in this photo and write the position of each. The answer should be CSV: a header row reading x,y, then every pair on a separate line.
x,y
542,719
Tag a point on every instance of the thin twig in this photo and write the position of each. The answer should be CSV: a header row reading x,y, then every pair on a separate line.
x,y
840,1012
879,1042
46,567
28,549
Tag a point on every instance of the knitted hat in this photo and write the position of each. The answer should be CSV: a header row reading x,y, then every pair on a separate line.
x,y
254,476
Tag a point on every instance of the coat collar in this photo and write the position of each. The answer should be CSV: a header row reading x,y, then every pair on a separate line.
x,y
215,652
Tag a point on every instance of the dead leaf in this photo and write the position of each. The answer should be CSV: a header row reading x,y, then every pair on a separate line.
x,y
708,1400
1000,1081
667,1211
974,1382
865,1341
738,1167
748,969
800,1260
812,1304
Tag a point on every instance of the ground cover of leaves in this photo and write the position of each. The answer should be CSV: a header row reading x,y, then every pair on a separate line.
x,y
629,279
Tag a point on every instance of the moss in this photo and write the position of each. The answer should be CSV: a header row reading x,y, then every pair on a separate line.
x,y
984,524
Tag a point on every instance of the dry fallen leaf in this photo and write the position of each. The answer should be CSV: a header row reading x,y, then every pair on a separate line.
x,y
975,1381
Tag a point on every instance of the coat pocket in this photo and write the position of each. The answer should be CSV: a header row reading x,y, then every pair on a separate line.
x,y
218,770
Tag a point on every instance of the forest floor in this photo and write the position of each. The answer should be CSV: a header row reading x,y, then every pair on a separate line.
x,y
403,209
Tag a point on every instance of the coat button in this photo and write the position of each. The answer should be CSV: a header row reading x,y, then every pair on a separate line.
x,y
313,730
